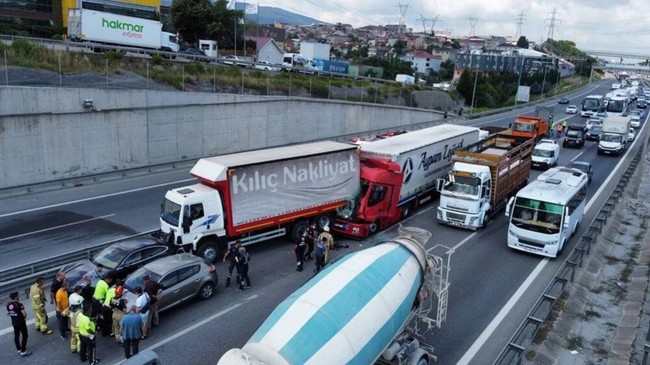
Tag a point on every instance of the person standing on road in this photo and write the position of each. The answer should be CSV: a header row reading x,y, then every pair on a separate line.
x,y
62,305
310,237
242,260
16,310
106,323
233,250
320,254
119,307
96,275
142,307
330,242
154,290
132,329
87,337
76,305
299,248
37,296
99,295
87,291
56,285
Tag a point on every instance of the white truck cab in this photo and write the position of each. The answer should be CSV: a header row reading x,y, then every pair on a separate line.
x,y
546,154
467,192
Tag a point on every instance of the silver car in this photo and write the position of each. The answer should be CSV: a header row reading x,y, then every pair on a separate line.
x,y
183,277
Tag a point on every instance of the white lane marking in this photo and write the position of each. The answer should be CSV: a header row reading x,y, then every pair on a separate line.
x,y
476,346
480,341
578,155
197,325
56,227
94,198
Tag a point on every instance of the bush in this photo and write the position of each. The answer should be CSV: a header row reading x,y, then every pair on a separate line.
x,y
57,37
113,56
156,59
24,48
194,68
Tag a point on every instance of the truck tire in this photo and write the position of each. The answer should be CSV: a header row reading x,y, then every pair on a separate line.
x,y
297,229
419,357
374,227
323,220
209,250
486,219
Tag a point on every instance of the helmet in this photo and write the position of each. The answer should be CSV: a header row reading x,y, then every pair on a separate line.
x,y
76,299
119,290
326,228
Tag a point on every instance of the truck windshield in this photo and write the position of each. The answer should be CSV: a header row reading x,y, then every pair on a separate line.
x,y
464,185
538,216
521,127
610,137
591,105
170,212
350,208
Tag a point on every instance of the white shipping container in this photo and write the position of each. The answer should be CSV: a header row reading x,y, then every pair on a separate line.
x,y
116,29
423,155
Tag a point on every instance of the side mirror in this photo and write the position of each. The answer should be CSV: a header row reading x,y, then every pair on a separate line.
x,y
440,184
509,206
485,191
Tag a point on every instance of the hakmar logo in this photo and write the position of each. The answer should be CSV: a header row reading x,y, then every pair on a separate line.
x,y
131,30
408,170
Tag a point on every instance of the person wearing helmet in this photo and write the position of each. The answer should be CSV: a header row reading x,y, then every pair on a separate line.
x,y
118,305
76,304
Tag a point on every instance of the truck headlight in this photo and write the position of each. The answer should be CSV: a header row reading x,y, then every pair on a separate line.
x,y
439,214
472,219
512,233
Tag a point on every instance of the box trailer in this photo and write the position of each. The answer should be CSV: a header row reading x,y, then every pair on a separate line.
x,y
86,25
398,174
259,195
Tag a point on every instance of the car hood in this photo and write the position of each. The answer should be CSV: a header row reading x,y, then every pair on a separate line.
x,y
76,270
608,144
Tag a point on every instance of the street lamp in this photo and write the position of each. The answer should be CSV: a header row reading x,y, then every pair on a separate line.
x,y
544,82
474,92
521,69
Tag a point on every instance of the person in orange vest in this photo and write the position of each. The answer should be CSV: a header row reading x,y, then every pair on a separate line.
x,y
559,129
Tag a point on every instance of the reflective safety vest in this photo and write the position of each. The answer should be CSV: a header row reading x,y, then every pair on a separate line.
x,y
86,326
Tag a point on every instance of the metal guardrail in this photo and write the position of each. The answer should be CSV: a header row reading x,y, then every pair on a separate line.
x,y
525,334
21,277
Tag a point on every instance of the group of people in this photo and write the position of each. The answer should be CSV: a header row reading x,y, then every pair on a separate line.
x,y
318,243
98,306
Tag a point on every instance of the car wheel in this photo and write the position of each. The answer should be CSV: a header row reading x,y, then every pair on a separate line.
x,y
206,291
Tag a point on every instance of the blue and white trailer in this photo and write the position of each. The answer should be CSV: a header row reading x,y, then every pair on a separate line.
x,y
371,306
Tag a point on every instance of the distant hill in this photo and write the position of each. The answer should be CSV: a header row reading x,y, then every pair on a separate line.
x,y
270,15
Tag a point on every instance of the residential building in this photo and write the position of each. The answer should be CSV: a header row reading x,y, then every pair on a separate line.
x,y
423,62
268,50
493,62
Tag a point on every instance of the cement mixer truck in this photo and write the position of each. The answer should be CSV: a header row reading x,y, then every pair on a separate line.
x,y
371,306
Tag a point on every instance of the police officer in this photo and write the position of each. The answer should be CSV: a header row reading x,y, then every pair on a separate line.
x,y
299,248
16,310
99,295
87,337
37,296
106,323
231,253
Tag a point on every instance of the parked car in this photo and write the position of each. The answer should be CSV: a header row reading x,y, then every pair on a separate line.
x,y
546,154
593,133
584,167
267,66
563,100
631,135
571,109
119,259
574,138
234,61
182,277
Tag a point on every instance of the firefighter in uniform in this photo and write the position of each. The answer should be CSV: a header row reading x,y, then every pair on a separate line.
x,y
76,302
330,242
37,296
119,308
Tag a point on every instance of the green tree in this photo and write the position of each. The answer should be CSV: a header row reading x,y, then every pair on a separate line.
x,y
522,42
399,47
465,85
391,68
446,70
223,22
191,18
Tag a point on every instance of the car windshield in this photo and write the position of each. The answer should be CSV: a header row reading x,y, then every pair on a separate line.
x,y
136,279
573,134
111,256
541,153
610,138
595,130
580,167
170,212
538,216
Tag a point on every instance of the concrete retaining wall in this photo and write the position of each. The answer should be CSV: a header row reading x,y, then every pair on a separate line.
x,y
46,135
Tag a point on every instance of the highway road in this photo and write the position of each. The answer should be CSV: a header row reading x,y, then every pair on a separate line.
x,y
492,287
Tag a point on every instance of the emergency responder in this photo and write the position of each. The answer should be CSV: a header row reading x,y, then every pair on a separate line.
x,y
299,248
37,296
330,242
119,307
310,238
16,310
106,324
242,259
99,295
87,337
76,306
231,253
62,303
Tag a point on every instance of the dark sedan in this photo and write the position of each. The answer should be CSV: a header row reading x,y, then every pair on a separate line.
x,y
584,167
563,101
593,133
120,259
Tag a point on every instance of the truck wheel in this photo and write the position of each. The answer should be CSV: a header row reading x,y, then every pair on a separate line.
x,y
374,227
209,250
419,357
298,229
406,210
486,220
323,220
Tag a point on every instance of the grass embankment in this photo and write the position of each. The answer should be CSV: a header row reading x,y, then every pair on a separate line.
x,y
191,76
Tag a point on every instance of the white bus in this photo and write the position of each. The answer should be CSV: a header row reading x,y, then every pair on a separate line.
x,y
591,105
617,106
545,213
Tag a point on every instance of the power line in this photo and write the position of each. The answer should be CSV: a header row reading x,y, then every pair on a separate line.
x,y
473,21
551,27
521,19
402,18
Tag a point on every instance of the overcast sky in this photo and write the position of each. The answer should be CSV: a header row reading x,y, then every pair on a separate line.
x,y
622,25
